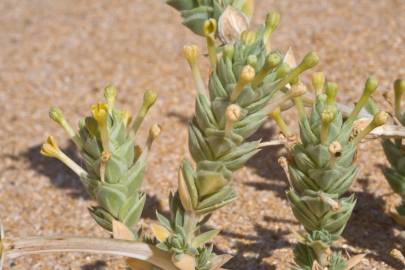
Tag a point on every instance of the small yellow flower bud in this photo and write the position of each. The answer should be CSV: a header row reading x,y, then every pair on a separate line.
x,y
248,37
247,74
149,98
154,131
371,85
56,115
379,119
191,53
309,61
272,20
126,117
229,50
399,87
331,90
327,116
50,148
232,113
110,93
318,82
273,59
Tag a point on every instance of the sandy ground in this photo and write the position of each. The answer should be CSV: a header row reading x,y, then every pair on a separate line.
x,y
64,52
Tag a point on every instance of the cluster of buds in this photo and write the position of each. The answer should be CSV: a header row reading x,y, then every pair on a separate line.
x,y
113,164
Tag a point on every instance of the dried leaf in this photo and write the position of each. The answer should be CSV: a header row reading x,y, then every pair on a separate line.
x,y
353,261
397,217
289,58
219,261
139,265
231,24
120,231
184,262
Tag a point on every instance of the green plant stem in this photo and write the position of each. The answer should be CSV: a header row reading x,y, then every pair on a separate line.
x,y
353,115
197,78
299,104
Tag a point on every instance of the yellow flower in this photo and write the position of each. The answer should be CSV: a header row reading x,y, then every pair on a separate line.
x,y
50,148
160,232
100,113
